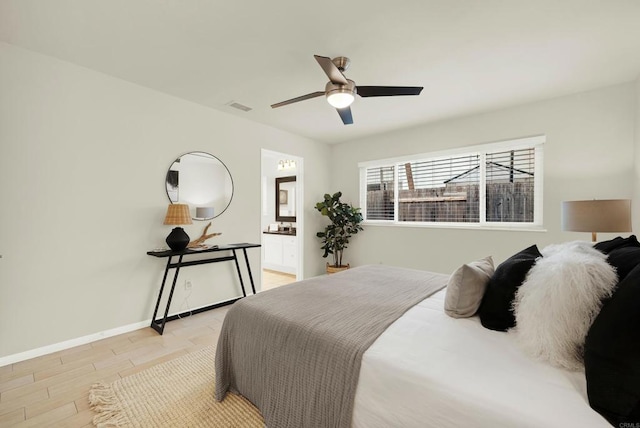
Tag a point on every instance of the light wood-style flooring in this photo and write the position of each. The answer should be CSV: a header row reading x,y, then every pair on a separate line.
x,y
53,390
272,279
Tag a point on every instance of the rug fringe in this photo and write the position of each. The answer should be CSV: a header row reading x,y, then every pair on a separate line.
x,y
104,402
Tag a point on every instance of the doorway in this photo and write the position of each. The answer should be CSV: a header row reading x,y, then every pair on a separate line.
x,y
282,218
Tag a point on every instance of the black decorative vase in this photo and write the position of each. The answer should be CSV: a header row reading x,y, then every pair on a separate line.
x,y
178,239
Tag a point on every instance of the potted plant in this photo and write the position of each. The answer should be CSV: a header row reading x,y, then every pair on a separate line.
x,y
345,222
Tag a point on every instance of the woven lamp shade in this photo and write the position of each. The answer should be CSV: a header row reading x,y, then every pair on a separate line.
x,y
606,215
178,214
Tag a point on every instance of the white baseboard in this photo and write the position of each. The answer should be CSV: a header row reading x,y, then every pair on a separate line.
x,y
33,353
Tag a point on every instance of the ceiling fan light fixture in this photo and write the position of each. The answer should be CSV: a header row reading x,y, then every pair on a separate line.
x,y
340,99
341,92
341,96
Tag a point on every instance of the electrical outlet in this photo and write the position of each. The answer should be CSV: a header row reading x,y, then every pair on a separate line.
x,y
187,284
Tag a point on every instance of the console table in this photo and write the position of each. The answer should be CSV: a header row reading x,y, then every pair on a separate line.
x,y
158,324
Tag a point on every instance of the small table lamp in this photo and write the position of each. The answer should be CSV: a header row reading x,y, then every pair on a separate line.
x,y
606,215
177,214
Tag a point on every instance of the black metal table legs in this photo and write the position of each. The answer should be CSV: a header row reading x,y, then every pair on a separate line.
x,y
159,324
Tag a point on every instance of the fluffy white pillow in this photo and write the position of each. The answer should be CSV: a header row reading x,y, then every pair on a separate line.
x,y
573,246
558,301
466,287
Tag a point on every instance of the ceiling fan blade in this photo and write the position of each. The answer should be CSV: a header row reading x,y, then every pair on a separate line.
x,y
388,91
345,115
330,69
296,99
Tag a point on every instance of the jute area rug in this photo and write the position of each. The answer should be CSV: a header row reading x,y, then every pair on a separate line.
x,y
178,393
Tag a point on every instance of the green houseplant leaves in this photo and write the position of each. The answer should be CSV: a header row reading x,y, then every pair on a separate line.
x,y
345,222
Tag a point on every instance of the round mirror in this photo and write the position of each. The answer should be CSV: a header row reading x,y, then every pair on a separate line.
x,y
201,181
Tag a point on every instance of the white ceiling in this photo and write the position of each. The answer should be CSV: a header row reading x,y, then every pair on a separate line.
x,y
469,55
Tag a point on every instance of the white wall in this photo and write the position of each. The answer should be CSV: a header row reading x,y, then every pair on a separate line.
x,y
82,165
589,154
635,206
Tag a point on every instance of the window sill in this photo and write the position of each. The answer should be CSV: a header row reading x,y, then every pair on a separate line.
x,y
515,228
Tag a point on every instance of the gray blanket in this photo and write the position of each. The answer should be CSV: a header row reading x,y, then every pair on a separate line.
x,y
295,351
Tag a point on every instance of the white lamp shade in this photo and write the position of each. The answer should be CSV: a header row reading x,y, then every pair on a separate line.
x,y
606,215
204,212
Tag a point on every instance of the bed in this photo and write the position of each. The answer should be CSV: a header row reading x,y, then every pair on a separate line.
x,y
462,374
421,369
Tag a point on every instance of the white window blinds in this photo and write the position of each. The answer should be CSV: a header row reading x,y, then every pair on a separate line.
x,y
510,185
380,193
439,190
488,184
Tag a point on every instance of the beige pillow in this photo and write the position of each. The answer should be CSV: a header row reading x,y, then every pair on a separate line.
x,y
466,287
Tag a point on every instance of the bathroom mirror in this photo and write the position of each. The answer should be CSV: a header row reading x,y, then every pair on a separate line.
x,y
286,198
201,181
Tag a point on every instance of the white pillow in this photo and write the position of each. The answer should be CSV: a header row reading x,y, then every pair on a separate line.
x,y
466,287
558,301
574,246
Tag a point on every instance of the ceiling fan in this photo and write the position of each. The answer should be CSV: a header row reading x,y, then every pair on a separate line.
x,y
340,91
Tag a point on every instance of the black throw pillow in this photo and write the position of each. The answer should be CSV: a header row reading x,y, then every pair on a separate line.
x,y
624,259
495,310
612,355
618,242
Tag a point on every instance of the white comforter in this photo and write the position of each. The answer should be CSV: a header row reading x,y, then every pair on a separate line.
x,y
430,370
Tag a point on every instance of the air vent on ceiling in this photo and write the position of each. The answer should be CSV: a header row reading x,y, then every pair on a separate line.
x,y
238,106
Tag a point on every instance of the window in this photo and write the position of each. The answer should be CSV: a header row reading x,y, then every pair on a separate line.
x,y
496,184
380,193
440,190
510,186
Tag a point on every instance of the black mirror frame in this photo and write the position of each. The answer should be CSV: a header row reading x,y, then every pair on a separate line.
x,y
277,192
